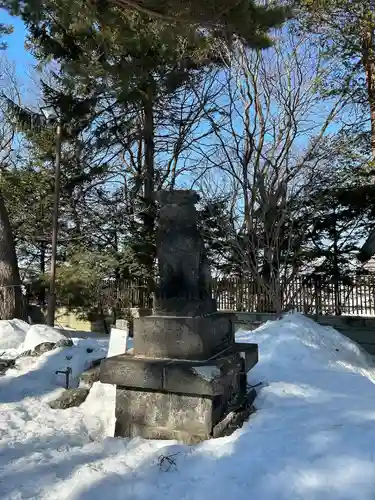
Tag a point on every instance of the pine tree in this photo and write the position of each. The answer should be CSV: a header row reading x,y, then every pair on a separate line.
x,y
346,29
222,18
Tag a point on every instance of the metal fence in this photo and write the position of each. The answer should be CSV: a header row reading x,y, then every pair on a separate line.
x,y
354,296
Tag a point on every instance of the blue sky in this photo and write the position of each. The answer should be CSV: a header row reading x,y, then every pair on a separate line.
x,y
16,50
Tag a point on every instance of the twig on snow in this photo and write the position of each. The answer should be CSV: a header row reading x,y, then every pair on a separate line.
x,y
166,462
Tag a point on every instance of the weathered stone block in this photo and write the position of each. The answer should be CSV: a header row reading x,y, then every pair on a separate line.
x,y
65,343
42,348
129,371
162,415
5,364
182,306
70,398
122,324
89,377
208,378
158,375
163,433
183,337
249,352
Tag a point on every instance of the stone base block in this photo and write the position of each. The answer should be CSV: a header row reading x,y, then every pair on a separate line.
x,y
181,306
176,399
207,378
156,415
182,337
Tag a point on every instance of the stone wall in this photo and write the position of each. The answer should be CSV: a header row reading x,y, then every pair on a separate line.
x,y
71,319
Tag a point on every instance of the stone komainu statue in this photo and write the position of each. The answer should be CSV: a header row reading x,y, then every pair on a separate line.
x,y
183,266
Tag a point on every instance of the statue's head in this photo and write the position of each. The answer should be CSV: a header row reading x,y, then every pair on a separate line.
x,y
177,197
177,208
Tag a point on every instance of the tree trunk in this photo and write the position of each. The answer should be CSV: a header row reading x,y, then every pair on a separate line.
x,y
115,304
368,60
149,176
267,264
10,283
42,264
149,153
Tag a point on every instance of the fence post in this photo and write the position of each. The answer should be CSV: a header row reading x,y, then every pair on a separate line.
x,y
338,311
317,293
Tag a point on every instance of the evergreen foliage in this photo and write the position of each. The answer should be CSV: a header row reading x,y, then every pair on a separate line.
x,y
346,30
222,18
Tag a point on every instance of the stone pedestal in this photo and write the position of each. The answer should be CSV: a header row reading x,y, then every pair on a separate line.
x,y
183,337
187,373
178,399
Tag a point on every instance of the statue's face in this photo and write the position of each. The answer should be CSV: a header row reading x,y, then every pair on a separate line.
x,y
178,214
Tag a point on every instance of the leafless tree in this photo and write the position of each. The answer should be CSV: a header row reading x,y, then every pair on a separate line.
x,y
269,146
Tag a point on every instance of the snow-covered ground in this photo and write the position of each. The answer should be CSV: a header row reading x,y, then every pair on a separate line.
x,y
312,436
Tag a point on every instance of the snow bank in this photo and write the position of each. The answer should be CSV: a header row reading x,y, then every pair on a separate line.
x,y
12,333
78,358
296,336
310,439
38,334
42,369
17,337
303,361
